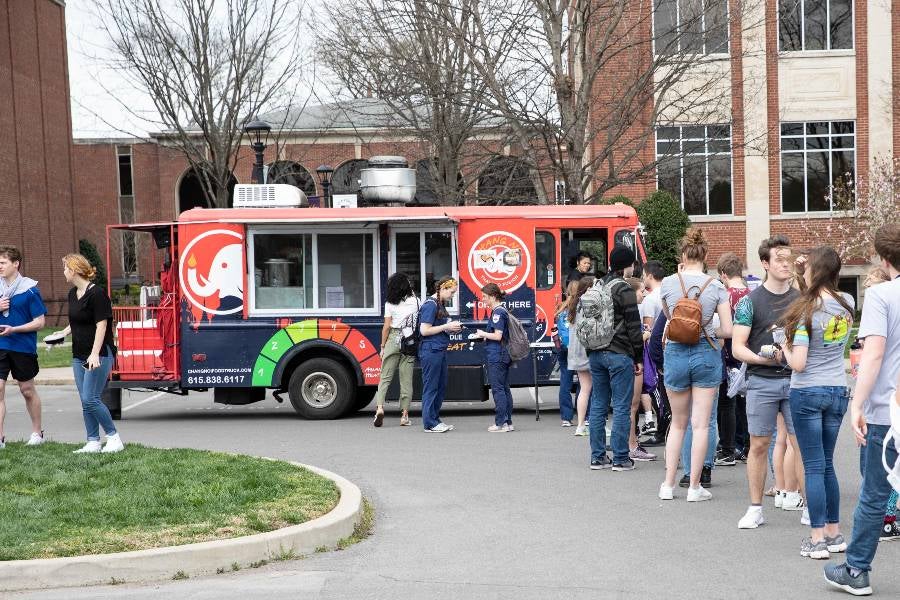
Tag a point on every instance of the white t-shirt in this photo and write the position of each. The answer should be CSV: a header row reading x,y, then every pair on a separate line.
x,y
650,307
402,315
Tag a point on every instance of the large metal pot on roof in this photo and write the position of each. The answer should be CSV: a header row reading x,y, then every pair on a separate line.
x,y
388,179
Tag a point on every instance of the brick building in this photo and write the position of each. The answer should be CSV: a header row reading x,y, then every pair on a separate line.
x,y
36,168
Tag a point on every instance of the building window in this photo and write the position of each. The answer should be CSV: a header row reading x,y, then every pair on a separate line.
x,y
690,27
303,271
128,252
815,157
695,167
815,25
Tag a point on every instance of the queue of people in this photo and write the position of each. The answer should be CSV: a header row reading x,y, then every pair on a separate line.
x,y
22,314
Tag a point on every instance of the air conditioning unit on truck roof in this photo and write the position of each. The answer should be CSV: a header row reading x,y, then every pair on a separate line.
x,y
269,195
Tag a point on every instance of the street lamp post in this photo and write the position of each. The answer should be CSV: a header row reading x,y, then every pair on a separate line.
x,y
258,132
324,172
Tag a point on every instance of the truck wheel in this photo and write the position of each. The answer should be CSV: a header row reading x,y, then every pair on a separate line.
x,y
112,398
321,388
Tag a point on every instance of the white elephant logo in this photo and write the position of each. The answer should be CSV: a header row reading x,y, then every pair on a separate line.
x,y
219,277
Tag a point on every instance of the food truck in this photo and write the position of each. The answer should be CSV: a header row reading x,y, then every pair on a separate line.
x,y
275,295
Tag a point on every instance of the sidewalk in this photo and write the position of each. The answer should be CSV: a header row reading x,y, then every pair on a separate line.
x,y
55,376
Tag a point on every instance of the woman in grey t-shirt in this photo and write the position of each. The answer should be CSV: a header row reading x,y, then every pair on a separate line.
x,y
817,326
693,372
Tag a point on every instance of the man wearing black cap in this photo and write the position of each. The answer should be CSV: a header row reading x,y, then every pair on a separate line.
x,y
613,368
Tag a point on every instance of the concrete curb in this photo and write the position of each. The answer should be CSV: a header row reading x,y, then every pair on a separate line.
x,y
203,558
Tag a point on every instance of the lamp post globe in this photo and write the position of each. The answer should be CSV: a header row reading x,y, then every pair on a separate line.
x,y
257,131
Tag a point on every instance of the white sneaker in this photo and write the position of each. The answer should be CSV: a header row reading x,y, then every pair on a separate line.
x,y
510,427
91,447
581,431
36,439
440,428
498,428
113,444
804,519
666,492
792,501
779,498
2,443
752,519
567,423
698,494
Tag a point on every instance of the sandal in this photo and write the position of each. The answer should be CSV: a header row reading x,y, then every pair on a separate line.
x,y
404,420
771,492
379,418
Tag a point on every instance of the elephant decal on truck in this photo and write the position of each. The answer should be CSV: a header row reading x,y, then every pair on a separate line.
x,y
211,272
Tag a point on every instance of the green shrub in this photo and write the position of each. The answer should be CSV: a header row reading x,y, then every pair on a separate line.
x,y
89,251
665,223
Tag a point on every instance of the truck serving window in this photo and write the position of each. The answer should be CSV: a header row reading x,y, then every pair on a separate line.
x,y
324,272
425,256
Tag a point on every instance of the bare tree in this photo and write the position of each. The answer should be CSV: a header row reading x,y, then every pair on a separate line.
x,y
400,52
207,66
585,83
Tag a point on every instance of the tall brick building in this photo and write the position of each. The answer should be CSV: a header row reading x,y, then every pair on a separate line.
x,y
36,168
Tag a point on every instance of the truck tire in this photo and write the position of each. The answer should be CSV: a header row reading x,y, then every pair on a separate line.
x,y
321,388
112,398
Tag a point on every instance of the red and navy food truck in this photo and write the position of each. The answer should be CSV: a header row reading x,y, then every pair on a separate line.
x,y
291,299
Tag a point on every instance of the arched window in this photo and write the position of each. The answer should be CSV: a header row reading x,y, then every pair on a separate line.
x,y
292,173
345,179
506,180
191,195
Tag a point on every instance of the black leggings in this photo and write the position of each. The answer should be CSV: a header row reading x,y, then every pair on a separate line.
x,y
732,420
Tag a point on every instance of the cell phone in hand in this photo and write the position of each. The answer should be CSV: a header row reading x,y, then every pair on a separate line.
x,y
86,365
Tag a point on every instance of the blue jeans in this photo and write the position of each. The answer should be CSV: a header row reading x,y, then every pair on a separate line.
x,y
713,439
434,383
498,377
90,386
566,409
817,413
612,375
873,496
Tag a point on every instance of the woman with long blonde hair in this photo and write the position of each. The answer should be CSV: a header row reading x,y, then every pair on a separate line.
x,y
93,351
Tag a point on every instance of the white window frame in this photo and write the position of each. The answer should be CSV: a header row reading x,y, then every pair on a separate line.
x,y
828,47
422,292
706,156
804,152
713,55
314,230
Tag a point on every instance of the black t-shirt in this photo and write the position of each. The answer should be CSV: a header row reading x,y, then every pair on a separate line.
x,y
84,314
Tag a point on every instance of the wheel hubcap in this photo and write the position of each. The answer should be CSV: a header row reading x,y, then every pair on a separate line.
x,y
319,390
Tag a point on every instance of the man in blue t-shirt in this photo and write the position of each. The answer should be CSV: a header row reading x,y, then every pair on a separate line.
x,y
21,316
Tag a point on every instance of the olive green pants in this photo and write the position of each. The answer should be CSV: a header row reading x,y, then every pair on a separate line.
x,y
393,360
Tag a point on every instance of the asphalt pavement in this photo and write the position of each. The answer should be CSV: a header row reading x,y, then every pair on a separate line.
x,y
469,514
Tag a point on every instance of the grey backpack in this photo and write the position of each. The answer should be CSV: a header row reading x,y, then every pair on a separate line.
x,y
517,343
596,329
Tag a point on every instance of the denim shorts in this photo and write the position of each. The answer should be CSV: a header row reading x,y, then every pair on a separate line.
x,y
692,365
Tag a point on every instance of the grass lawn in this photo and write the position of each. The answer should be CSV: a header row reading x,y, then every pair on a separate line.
x,y
55,503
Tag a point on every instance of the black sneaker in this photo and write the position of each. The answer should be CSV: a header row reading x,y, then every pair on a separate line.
x,y
741,456
598,464
706,477
724,459
889,532
685,481
626,465
839,576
